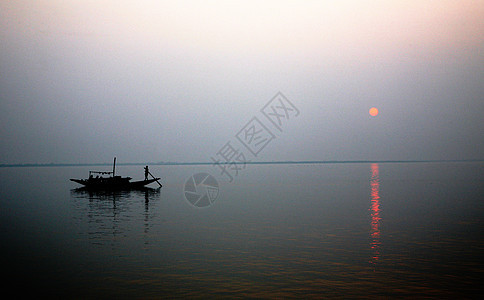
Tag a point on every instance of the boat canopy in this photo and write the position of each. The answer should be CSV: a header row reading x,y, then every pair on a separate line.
x,y
99,172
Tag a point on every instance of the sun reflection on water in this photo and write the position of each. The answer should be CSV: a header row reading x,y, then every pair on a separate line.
x,y
375,211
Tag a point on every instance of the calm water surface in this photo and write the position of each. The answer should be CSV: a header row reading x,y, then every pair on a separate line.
x,y
320,230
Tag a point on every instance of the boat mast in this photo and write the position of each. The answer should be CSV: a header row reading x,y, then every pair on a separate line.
x,y
114,165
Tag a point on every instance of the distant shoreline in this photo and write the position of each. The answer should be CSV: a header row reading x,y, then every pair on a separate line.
x,y
299,162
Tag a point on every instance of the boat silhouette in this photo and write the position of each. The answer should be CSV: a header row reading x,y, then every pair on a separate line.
x,y
114,182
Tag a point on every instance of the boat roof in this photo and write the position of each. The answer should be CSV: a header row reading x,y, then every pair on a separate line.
x,y
100,172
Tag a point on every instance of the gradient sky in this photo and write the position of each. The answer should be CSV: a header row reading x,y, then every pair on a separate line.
x,y
84,81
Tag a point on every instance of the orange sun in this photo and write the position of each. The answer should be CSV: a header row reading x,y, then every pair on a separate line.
x,y
373,111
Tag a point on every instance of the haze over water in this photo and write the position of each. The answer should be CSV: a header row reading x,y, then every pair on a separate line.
x,y
177,79
287,230
232,82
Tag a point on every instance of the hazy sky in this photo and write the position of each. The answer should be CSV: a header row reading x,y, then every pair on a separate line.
x,y
83,81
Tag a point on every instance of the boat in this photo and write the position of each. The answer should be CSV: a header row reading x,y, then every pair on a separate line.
x,y
113,182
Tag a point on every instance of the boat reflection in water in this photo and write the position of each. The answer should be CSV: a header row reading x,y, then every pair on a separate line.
x,y
114,195
375,212
107,217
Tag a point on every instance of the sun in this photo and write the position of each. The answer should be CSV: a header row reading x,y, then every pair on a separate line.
x,y
373,111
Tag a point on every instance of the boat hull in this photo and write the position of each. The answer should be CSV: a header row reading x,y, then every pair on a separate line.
x,y
114,183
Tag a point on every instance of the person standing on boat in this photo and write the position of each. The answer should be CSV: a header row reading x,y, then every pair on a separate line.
x,y
146,173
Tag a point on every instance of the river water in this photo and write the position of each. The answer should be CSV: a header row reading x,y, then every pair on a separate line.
x,y
286,230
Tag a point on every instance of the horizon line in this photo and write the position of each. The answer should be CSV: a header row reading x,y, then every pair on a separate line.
x,y
161,163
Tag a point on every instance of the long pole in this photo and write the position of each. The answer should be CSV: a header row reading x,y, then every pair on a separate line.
x,y
114,165
155,178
